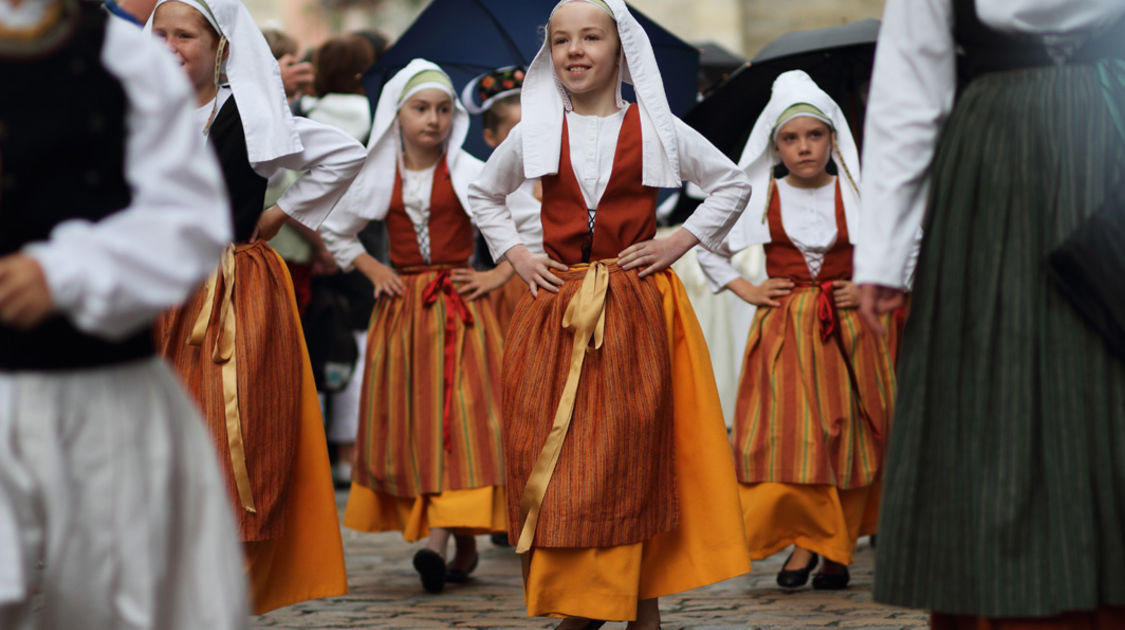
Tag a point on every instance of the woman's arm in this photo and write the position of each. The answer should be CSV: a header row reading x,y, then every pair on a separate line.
x,y
911,96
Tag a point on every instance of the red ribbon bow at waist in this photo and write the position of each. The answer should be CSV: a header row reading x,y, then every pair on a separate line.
x,y
455,308
826,312
829,317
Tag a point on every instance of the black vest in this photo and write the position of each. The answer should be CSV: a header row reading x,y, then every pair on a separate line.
x,y
982,49
247,189
62,157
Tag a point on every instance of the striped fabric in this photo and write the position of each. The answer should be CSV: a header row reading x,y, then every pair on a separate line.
x,y
400,446
798,418
614,482
1005,476
708,544
269,350
505,299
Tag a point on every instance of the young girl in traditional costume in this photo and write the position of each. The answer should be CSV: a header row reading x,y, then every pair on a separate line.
x,y
815,394
428,458
113,513
237,342
620,481
496,97
999,125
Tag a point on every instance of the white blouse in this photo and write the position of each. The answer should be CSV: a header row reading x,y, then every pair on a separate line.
x,y
112,277
330,161
911,97
417,188
809,218
700,163
593,146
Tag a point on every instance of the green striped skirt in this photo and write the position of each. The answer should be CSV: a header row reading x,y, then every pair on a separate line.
x,y
1005,476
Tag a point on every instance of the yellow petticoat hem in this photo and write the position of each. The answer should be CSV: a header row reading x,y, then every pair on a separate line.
x,y
820,518
472,511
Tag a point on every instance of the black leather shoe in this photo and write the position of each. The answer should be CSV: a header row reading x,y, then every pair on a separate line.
x,y
457,576
500,540
794,578
431,568
591,625
831,581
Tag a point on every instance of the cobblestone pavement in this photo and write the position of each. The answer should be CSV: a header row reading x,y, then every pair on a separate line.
x,y
386,594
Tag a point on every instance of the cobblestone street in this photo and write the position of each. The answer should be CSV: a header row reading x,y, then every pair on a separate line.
x,y
386,593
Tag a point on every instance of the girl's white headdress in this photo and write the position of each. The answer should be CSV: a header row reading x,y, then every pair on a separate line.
x,y
545,102
790,90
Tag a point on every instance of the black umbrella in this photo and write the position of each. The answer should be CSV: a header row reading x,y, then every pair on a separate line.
x,y
838,58
715,65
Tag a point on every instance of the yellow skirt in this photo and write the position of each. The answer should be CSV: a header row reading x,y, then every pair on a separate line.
x,y
708,546
472,511
823,519
308,561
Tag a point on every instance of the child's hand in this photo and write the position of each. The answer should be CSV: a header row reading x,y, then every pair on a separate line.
x,y
535,270
269,224
479,283
25,298
386,281
847,294
875,300
764,294
657,254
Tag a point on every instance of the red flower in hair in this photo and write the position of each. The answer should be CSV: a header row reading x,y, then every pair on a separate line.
x,y
508,84
487,82
519,75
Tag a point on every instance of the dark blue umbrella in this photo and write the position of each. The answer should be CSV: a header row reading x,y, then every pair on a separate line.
x,y
470,37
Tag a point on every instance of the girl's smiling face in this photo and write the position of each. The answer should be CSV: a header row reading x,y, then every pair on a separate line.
x,y
585,51
426,119
804,145
194,42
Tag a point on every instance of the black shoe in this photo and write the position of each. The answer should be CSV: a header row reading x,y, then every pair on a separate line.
x,y
500,540
831,581
457,576
431,568
794,578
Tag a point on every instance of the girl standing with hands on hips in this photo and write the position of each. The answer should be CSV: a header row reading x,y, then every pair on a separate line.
x,y
816,390
620,483
428,458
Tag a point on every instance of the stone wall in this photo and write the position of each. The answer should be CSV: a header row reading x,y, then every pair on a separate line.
x,y
745,26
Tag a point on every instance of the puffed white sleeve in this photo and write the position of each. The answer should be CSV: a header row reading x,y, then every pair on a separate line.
x,y
718,270
114,276
330,161
340,233
488,195
911,97
726,186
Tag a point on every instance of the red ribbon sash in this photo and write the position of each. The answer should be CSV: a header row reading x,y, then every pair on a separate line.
x,y
455,307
